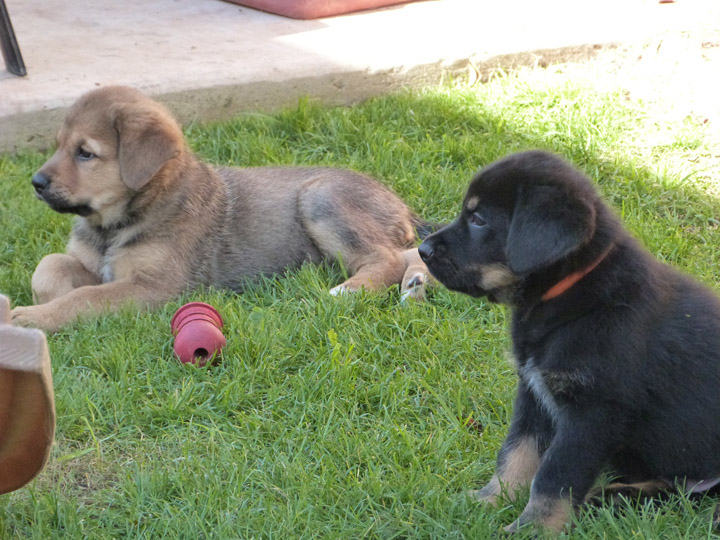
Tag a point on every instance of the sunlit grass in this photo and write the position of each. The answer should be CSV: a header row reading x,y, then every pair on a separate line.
x,y
341,417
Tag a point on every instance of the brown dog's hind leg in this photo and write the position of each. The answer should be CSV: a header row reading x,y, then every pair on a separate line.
x,y
357,221
376,270
56,275
416,278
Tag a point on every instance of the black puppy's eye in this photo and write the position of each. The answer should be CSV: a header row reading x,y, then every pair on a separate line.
x,y
477,220
84,155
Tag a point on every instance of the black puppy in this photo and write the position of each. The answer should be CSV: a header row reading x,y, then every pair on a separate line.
x,y
618,355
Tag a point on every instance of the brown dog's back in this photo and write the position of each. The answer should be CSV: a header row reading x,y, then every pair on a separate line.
x,y
154,221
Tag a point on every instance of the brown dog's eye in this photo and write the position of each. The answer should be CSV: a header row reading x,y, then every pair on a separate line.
x,y
477,220
84,155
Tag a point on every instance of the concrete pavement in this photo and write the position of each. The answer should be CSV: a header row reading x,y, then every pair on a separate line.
x,y
208,59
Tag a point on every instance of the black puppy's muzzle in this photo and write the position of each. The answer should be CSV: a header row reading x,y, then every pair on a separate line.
x,y
40,182
430,249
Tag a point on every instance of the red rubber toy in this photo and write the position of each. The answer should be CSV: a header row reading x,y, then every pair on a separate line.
x,y
198,335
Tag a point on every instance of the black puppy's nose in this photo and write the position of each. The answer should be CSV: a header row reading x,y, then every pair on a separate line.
x,y
426,250
40,182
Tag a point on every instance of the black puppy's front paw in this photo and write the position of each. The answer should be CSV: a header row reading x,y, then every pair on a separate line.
x,y
543,514
527,530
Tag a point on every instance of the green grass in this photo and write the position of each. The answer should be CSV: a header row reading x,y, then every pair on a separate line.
x,y
341,417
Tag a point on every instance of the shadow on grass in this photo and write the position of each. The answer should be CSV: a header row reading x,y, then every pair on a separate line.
x,y
341,415
427,146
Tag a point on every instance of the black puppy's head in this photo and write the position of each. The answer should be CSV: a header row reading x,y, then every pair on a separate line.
x,y
521,215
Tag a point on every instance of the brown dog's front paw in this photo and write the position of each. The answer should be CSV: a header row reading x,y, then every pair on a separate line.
x,y
32,317
21,316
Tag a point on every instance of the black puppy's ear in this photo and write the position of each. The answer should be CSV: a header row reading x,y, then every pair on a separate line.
x,y
548,223
147,139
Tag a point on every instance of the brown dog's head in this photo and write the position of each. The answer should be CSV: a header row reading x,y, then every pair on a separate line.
x,y
113,142
529,216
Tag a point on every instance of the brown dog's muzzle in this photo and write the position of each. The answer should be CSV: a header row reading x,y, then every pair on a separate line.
x,y
42,183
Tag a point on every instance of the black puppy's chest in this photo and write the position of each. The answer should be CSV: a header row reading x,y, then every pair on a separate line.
x,y
555,369
555,385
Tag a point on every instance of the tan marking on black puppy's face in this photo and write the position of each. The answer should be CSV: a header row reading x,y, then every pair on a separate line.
x,y
521,214
468,255
496,276
472,203
85,175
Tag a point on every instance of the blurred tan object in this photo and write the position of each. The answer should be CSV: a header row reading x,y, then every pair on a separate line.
x,y
27,405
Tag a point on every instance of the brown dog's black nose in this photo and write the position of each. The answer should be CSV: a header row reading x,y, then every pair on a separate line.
x,y
40,182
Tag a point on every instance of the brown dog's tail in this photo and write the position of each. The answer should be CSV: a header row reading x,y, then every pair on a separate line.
x,y
423,228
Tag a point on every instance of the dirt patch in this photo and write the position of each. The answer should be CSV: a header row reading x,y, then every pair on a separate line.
x,y
676,72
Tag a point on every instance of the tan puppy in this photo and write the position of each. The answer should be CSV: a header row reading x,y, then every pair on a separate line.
x,y
154,221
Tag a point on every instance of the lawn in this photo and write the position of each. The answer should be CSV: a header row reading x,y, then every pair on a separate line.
x,y
343,417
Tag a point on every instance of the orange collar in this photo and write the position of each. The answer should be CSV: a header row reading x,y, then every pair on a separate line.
x,y
568,281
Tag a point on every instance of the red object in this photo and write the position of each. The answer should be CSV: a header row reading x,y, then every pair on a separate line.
x,y
313,9
198,335
568,281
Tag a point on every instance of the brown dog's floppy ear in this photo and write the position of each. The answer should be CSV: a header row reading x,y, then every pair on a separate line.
x,y
147,139
548,224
